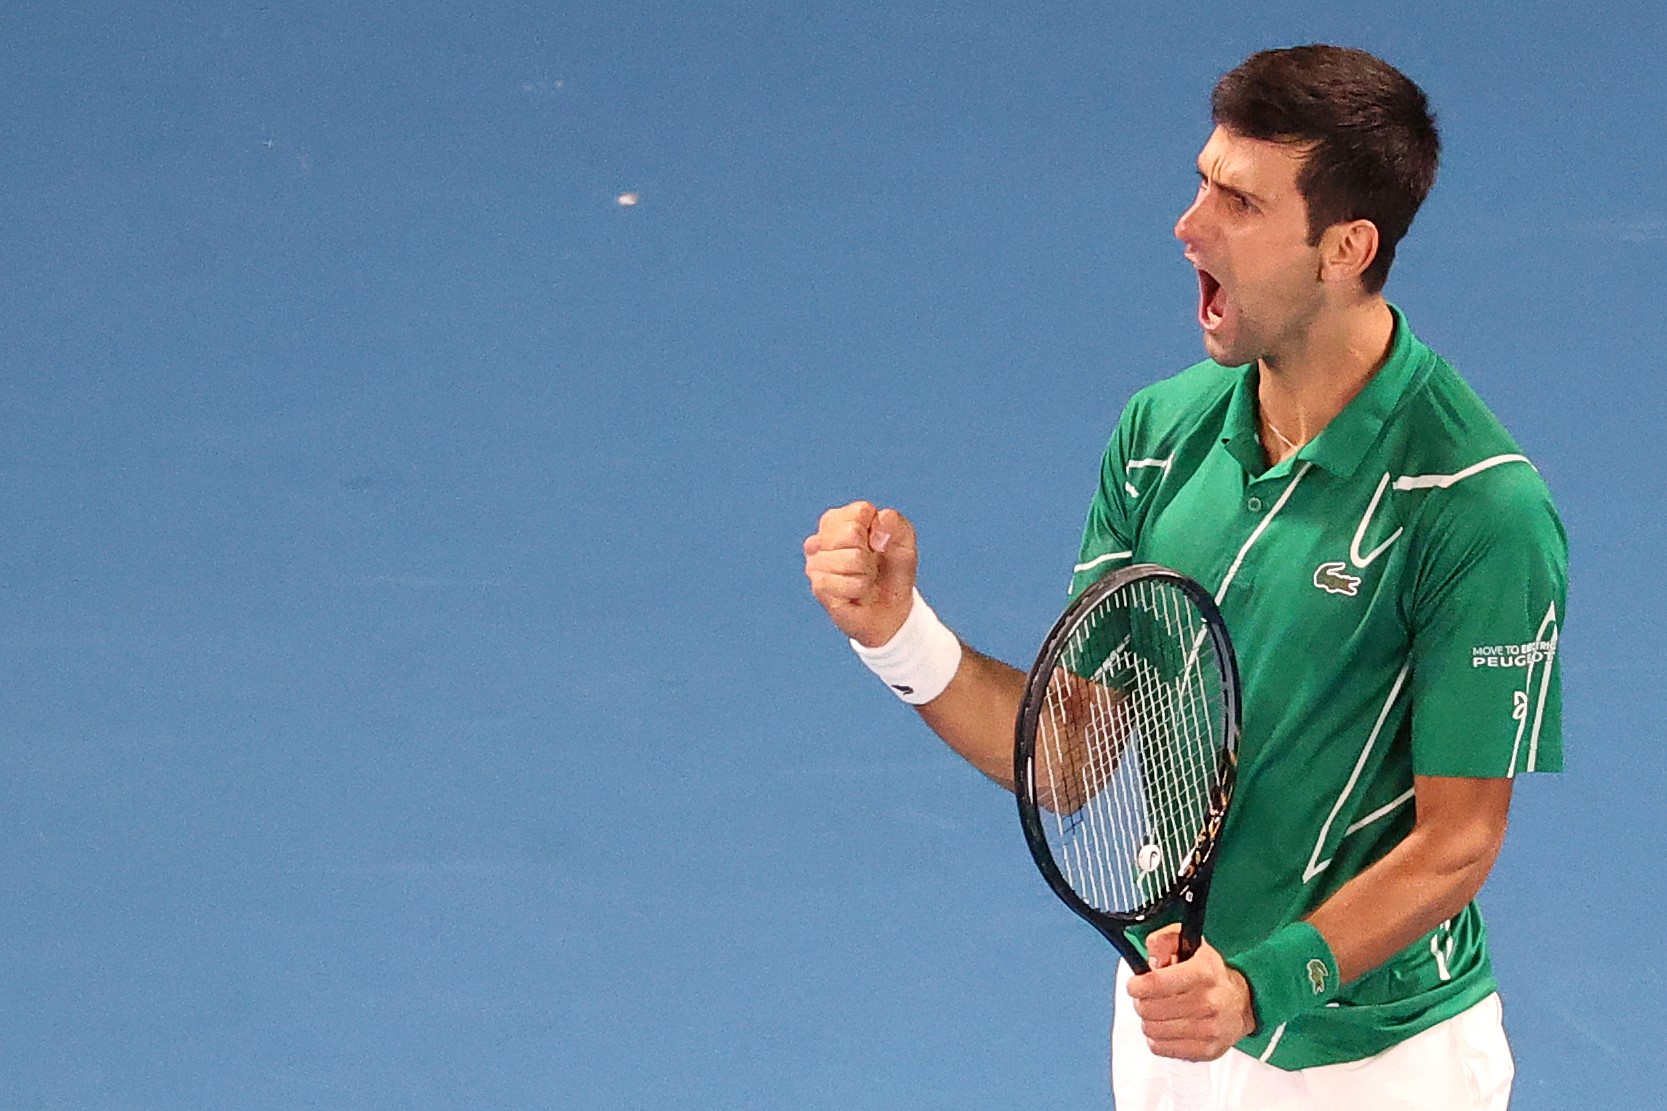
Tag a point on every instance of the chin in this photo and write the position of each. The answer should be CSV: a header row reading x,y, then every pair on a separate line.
x,y
1224,352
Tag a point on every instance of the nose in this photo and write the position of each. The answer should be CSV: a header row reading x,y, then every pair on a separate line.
x,y
1187,226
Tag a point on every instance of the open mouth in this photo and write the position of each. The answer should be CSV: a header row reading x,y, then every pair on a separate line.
x,y
1212,301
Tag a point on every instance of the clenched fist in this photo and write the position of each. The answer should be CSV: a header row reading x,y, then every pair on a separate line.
x,y
1193,1010
861,565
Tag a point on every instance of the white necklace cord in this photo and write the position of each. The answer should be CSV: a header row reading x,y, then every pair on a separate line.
x,y
1284,439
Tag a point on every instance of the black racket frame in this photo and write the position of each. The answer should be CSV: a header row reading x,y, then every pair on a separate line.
x,y
1191,886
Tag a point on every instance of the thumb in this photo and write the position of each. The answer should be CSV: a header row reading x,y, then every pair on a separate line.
x,y
892,538
1163,946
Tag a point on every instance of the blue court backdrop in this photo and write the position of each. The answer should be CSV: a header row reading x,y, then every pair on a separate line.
x,y
409,692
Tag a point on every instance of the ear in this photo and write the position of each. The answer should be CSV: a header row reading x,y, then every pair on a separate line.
x,y
1347,249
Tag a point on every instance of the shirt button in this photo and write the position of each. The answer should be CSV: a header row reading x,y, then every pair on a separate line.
x,y
1254,505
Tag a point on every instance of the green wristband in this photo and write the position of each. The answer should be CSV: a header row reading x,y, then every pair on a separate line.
x,y
1289,973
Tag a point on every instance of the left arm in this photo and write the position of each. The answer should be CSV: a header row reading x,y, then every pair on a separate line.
x,y
1422,882
1198,1009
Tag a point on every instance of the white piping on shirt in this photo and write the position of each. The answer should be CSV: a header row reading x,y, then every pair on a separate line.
x,y
1315,864
1442,481
1278,1032
1442,953
1097,560
1238,561
1548,622
1133,464
1415,482
1362,562
1393,804
1163,464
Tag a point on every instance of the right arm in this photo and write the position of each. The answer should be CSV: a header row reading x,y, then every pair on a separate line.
x,y
976,712
861,564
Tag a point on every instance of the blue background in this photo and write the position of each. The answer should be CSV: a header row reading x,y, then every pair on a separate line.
x,y
409,692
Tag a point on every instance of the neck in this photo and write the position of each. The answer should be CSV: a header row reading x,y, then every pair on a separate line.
x,y
1301,390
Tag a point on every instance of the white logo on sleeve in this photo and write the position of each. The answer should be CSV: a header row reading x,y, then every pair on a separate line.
x,y
1333,579
1513,655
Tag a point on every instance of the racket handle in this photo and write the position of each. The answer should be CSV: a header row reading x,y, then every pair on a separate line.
x,y
1189,1085
1192,919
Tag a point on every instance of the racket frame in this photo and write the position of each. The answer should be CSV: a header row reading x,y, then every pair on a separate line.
x,y
1191,884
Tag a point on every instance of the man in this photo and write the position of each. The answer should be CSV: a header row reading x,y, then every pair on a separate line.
x,y
1393,573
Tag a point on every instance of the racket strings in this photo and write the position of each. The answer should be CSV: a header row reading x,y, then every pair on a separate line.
x,y
1188,766
1130,743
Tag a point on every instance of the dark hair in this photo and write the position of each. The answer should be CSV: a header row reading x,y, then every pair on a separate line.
x,y
1373,145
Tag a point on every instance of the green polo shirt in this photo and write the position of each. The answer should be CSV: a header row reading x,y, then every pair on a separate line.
x,y
1394,593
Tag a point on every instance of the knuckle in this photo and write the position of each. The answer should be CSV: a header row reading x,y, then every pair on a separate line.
x,y
840,514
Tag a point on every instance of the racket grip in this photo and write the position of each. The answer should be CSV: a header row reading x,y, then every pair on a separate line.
x,y
1189,1085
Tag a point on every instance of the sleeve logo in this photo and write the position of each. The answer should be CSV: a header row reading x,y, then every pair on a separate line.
x,y
1333,579
1513,655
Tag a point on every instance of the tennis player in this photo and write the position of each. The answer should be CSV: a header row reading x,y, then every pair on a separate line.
x,y
1392,570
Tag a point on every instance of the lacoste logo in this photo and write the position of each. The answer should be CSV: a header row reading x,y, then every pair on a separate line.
x,y
1330,577
1317,975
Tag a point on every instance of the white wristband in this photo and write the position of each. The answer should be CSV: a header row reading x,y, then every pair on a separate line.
x,y
919,660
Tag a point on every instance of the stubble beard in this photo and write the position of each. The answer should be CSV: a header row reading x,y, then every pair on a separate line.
x,y
1257,339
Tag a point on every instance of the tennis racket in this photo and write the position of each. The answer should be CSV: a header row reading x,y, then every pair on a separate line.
x,y
1124,757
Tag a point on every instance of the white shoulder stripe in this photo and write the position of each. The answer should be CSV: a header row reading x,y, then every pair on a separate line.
x,y
1443,481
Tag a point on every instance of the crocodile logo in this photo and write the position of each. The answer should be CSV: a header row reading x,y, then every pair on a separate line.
x,y
1317,975
1331,578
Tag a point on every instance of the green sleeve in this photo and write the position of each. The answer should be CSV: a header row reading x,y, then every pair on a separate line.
x,y
1486,614
1107,538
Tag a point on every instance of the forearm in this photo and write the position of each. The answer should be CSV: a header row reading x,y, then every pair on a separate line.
x,y
975,714
1422,882
1395,902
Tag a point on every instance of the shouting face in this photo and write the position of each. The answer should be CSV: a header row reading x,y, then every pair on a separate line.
x,y
1259,279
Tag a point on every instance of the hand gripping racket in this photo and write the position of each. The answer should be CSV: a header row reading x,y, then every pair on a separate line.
x,y
1124,756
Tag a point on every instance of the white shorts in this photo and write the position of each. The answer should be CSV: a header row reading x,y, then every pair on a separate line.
x,y
1461,1064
